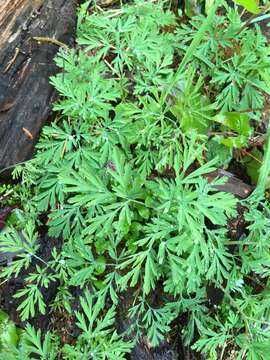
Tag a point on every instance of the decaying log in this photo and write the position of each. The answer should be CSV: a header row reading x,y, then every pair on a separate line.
x,y
25,67
232,185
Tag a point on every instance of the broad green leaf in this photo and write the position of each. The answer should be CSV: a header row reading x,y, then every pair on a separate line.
x,y
250,5
236,121
8,332
236,142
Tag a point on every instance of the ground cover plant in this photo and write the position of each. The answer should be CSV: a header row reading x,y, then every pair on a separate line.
x,y
152,104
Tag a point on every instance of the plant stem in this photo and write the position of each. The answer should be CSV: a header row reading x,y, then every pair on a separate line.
x,y
265,168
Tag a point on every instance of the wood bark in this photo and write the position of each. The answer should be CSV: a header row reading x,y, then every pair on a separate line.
x,y
25,67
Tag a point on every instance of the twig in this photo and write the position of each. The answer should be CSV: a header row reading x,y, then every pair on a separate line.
x,y
267,107
3,282
12,60
110,67
50,41
223,350
230,133
13,166
252,19
252,156
6,194
28,133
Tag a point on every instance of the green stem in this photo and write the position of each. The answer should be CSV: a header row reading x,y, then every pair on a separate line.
x,y
265,168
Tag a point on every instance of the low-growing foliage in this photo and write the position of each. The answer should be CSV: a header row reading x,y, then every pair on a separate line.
x,y
122,176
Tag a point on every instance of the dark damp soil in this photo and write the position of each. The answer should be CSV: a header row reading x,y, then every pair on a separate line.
x,y
65,325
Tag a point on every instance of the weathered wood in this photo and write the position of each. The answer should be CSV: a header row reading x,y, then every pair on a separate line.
x,y
232,185
25,68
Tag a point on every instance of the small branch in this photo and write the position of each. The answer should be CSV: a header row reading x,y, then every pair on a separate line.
x,y
223,350
12,60
50,41
225,133
6,194
13,166
253,18
252,156
267,107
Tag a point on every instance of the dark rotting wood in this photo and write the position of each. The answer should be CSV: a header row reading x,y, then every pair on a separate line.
x,y
232,185
25,67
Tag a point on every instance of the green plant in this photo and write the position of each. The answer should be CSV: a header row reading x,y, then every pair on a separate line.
x,y
9,333
234,56
122,177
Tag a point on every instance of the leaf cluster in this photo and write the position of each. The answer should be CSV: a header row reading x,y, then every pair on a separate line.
x,y
123,178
